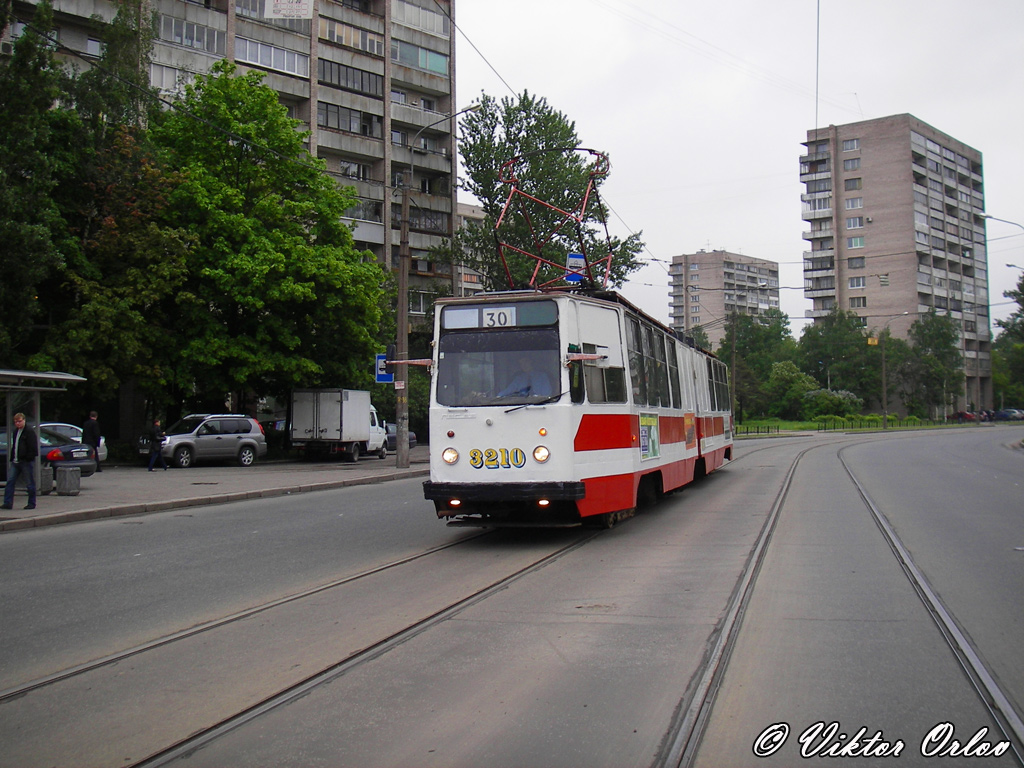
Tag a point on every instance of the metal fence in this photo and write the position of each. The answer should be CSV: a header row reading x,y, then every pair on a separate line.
x,y
831,426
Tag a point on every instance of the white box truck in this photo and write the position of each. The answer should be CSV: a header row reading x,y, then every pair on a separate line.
x,y
330,421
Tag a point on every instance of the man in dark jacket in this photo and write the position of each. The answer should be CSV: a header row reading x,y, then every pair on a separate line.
x,y
23,449
91,435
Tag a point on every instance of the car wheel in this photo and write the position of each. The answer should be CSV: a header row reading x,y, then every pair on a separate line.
x,y
246,456
183,457
383,452
354,456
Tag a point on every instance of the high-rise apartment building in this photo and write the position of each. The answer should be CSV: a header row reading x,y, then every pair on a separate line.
x,y
897,227
373,80
709,286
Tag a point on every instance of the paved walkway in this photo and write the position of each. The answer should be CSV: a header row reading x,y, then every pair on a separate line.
x,y
131,490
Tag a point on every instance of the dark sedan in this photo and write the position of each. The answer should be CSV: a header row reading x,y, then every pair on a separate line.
x,y
55,450
393,440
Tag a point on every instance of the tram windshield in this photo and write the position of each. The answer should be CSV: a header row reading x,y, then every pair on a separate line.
x,y
498,367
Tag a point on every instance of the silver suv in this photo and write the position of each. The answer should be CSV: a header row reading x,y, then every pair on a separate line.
x,y
215,437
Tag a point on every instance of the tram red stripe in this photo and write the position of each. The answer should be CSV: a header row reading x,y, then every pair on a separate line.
x,y
673,429
603,431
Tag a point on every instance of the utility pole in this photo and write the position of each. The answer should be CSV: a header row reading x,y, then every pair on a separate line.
x,y
402,345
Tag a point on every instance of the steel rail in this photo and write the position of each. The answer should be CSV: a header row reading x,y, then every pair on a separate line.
x,y
984,682
204,737
113,658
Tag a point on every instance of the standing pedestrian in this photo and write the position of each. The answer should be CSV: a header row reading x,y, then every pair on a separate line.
x,y
23,448
156,444
91,435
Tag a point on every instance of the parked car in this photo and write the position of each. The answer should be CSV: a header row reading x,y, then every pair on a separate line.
x,y
75,433
393,439
1009,414
214,437
55,450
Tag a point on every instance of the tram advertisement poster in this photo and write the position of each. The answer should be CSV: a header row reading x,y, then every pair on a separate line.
x,y
650,440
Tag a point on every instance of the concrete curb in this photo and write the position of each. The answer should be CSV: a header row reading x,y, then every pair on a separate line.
x,y
163,505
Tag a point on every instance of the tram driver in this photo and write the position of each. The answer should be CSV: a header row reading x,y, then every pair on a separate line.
x,y
527,381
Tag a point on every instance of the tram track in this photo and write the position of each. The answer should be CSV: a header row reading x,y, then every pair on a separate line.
x,y
200,739
684,737
149,660
981,678
122,655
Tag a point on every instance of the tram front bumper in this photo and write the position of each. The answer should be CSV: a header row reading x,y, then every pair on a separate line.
x,y
452,499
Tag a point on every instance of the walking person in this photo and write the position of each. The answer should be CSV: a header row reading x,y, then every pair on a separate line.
x,y
156,444
92,435
23,448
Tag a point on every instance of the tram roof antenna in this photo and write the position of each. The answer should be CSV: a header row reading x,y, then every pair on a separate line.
x,y
520,202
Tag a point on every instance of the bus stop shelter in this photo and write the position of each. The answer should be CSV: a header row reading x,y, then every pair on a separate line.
x,y
22,391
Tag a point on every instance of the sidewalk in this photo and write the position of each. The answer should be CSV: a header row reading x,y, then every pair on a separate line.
x,y
131,490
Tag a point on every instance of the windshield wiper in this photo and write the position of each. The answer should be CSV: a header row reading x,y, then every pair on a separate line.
x,y
546,400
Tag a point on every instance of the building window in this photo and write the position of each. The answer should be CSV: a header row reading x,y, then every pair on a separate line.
x,y
367,210
853,164
412,15
858,282
351,79
271,57
849,145
181,32
352,37
855,262
855,242
421,58
858,302
855,222
852,184
349,120
854,203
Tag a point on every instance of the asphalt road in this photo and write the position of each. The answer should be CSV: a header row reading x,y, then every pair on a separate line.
x,y
585,654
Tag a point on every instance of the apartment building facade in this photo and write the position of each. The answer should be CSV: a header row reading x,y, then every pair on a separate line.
x,y
896,226
373,80
708,286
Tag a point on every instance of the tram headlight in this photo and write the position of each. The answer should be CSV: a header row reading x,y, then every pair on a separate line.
x,y
541,454
449,455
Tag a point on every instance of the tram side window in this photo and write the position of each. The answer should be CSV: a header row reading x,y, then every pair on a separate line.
x,y
657,370
722,384
673,373
604,385
635,346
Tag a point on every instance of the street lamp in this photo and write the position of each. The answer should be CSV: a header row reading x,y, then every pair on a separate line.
x,y
1005,221
402,346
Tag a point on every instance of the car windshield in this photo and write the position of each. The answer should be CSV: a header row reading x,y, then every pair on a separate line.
x,y
185,426
510,367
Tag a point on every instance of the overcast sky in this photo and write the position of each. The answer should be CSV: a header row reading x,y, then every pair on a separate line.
x,y
702,108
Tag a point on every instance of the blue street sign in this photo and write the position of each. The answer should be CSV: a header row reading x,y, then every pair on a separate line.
x,y
382,376
574,261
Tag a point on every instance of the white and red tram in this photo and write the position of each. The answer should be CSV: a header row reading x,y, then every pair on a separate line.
x,y
559,408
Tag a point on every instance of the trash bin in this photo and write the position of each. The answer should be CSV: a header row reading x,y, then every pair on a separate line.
x,y
69,480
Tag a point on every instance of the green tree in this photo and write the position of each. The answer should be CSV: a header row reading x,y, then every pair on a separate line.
x,y
787,387
33,156
527,127
276,295
1008,353
760,342
133,259
931,375
700,337
834,350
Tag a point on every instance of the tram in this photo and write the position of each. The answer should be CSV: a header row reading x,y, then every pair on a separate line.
x,y
563,408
